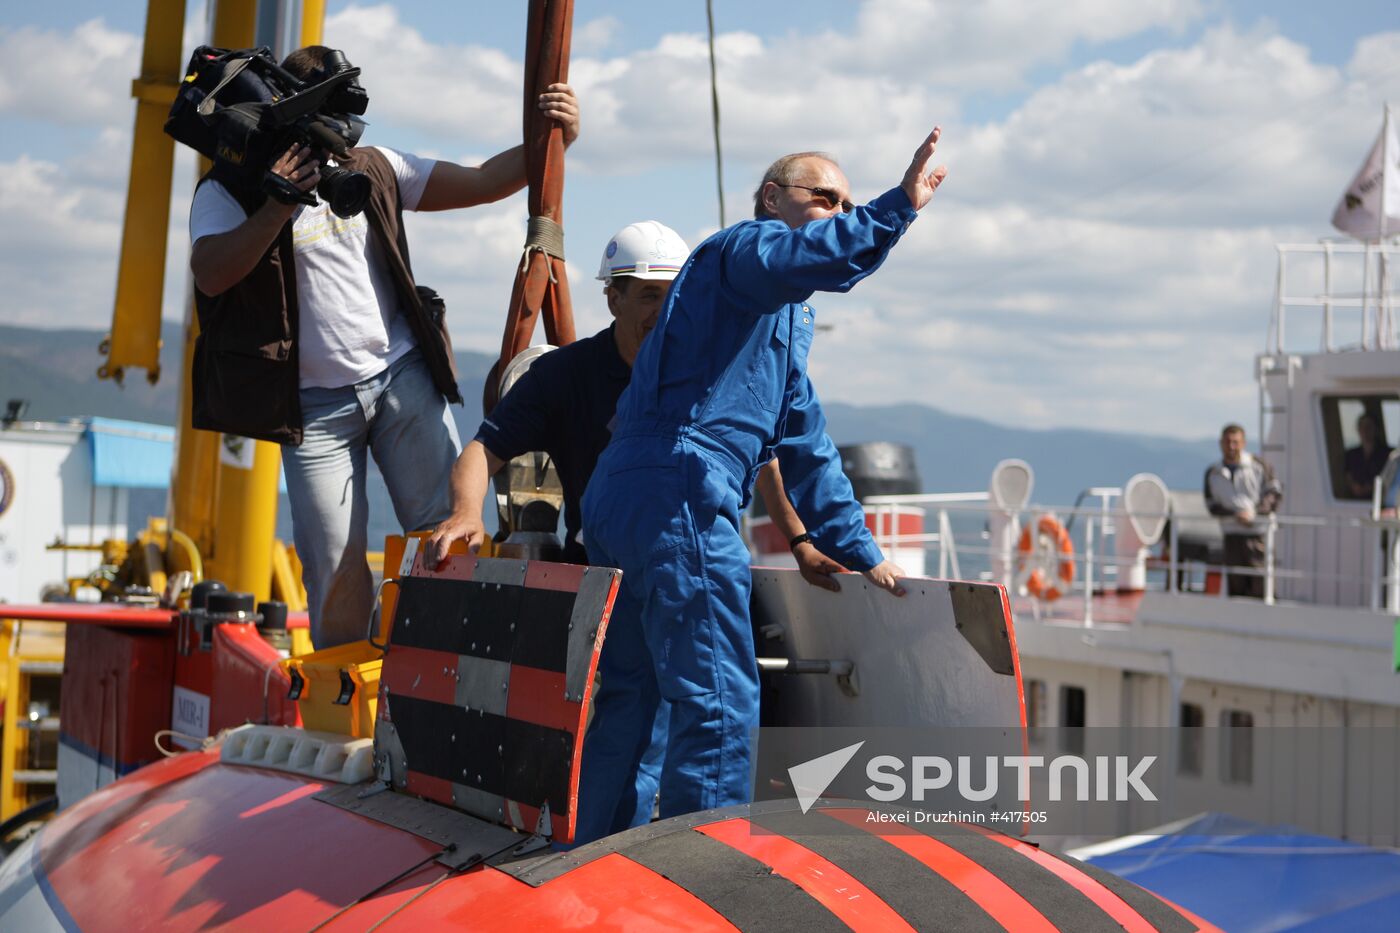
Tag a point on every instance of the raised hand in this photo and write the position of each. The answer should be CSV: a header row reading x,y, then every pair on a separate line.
x,y
919,183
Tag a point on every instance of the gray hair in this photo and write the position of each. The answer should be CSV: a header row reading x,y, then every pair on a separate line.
x,y
783,172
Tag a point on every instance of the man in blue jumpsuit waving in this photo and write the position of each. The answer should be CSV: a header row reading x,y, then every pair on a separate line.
x,y
565,405
717,391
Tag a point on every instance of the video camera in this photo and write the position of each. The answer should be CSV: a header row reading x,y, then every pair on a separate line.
x,y
242,110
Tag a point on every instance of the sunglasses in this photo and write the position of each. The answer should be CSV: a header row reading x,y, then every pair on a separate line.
x,y
832,199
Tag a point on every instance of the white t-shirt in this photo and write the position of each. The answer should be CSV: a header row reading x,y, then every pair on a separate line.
x,y
349,327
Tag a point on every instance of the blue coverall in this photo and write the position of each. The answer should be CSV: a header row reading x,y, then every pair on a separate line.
x,y
719,388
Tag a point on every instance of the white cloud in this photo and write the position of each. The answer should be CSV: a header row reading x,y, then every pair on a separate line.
x,y
1235,126
1376,63
990,44
56,245
655,105
596,35
1102,256
92,82
450,92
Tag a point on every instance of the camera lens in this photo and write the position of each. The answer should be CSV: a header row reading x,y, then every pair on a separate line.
x,y
345,191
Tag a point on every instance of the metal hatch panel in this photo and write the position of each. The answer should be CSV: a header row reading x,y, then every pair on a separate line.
x,y
465,839
485,687
944,655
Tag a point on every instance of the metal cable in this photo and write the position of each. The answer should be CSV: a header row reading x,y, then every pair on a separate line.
x,y
427,860
385,919
714,110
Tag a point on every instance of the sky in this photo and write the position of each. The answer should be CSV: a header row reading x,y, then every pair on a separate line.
x,y
1101,256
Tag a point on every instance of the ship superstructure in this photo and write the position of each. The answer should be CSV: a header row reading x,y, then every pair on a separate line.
x,y
1291,702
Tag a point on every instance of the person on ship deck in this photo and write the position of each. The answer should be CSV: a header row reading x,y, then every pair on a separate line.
x,y
1366,460
1390,485
1241,488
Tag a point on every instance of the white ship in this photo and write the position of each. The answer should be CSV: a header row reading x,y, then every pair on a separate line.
x,y
1141,633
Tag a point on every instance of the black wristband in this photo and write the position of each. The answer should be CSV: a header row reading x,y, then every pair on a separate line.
x,y
800,539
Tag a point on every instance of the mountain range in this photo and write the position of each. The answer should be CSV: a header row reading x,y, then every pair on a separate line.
x,y
56,371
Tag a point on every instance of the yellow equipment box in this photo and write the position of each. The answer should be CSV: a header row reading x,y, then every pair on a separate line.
x,y
337,689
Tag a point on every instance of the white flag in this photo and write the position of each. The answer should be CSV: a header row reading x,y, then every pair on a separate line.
x,y
1358,213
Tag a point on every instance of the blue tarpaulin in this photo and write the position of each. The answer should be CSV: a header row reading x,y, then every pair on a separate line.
x,y
1245,877
134,455
130,454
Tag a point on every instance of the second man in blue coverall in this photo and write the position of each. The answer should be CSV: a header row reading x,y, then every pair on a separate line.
x,y
718,390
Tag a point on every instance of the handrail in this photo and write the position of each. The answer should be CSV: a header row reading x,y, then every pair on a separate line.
x,y
1375,299
926,498
1102,566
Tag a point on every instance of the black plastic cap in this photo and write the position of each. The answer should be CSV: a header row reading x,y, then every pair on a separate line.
x,y
225,603
274,614
199,595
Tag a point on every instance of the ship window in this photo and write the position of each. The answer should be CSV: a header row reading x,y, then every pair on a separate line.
x,y
1191,748
1360,432
1236,746
1073,703
1035,703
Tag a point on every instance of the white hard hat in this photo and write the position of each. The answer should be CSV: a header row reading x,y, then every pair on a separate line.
x,y
645,250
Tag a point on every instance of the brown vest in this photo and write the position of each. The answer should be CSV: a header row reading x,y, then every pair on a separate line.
x,y
246,365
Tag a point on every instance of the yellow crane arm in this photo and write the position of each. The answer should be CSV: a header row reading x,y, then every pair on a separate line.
x,y
135,337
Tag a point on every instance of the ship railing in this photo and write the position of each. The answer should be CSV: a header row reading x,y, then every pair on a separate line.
x,y
1364,561
1342,289
968,537
885,511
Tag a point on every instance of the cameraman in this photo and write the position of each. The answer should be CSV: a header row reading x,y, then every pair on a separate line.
x,y
314,335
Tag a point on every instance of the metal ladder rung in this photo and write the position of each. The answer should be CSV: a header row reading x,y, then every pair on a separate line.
x,y
36,777
54,668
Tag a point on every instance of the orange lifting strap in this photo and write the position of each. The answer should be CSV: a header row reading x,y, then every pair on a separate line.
x,y
541,285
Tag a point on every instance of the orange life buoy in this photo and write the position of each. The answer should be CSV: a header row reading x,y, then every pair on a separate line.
x,y
1045,562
